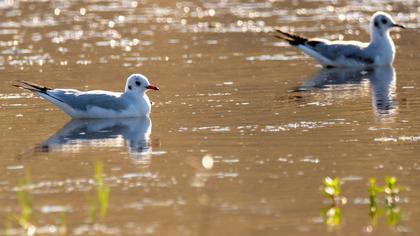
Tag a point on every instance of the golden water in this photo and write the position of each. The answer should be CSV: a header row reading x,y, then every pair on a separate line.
x,y
243,130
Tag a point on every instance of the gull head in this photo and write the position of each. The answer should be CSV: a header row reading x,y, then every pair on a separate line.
x,y
138,83
382,22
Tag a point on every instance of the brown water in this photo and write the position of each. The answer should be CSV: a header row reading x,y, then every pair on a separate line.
x,y
244,130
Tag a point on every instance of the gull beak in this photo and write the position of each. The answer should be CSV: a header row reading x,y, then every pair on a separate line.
x,y
152,87
399,26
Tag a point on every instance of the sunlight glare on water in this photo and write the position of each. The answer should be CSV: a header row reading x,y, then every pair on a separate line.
x,y
241,135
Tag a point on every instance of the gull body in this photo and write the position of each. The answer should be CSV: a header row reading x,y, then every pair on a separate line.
x,y
133,102
379,51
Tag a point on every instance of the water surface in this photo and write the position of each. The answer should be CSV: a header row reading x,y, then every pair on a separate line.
x,y
242,132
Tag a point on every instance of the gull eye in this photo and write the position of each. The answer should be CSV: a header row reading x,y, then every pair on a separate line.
x,y
384,21
138,83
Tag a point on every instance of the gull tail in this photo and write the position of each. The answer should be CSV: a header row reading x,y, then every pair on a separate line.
x,y
292,39
308,46
41,90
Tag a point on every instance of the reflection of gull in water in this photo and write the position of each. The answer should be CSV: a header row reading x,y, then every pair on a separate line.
x,y
384,90
102,133
381,79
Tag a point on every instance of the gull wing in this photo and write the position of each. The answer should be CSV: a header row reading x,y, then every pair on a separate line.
x,y
84,100
76,99
328,52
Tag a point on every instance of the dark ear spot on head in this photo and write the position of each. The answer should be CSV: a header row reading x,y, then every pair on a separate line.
x,y
376,24
129,87
138,83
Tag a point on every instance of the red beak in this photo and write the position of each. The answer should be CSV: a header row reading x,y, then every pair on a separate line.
x,y
152,87
399,26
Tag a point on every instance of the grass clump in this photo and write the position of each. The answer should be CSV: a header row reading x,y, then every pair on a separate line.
x,y
98,205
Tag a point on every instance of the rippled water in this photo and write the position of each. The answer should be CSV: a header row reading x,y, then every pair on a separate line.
x,y
242,132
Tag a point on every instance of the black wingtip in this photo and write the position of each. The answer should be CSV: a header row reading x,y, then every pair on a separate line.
x,y
23,86
31,86
292,39
35,88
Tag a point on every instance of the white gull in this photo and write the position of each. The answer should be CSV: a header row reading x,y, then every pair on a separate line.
x,y
379,51
133,102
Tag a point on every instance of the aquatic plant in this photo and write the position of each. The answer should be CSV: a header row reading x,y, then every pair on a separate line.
x,y
392,211
6,227
332,216
25,218
62,229
373,191
102,189
332,189
25,204
374,210
391,190
393,215
99,205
